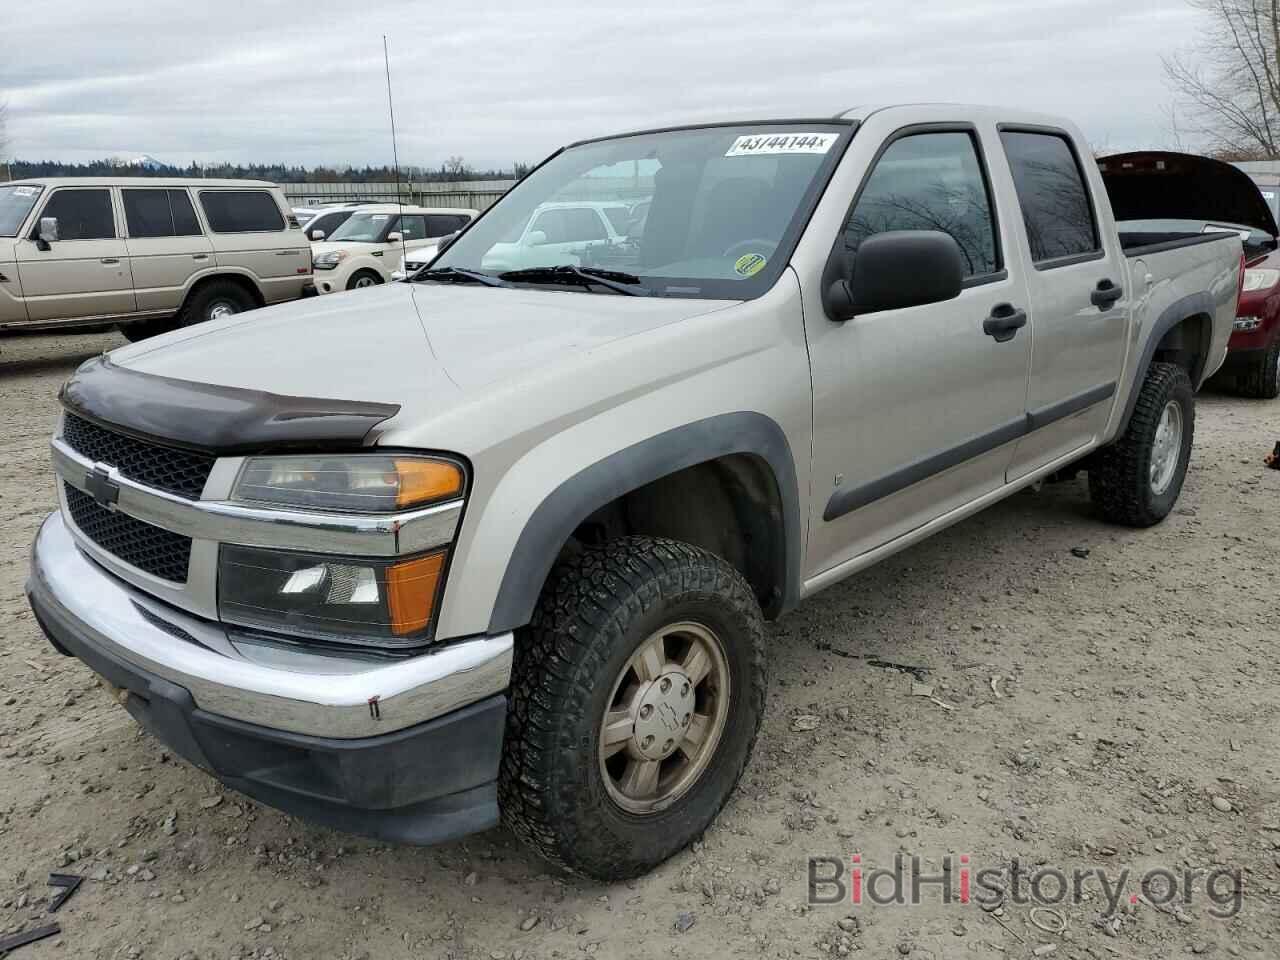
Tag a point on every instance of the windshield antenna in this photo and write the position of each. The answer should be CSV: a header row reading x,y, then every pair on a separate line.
x,y
395,153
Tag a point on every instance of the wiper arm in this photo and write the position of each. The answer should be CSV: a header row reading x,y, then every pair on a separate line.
x,y
615,280
458,275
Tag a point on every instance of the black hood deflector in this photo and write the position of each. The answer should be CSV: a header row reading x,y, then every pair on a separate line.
x,y
1157,185
212,418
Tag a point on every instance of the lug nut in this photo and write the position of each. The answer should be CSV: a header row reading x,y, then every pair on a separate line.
x,y
665,685
667,746
686,719
646,712
684,690
647,742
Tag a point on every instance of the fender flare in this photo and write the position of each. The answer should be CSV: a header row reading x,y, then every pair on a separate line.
x,y
1192,305
212,273
559,514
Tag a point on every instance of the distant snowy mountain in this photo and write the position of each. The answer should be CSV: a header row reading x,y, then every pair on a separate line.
x,y
147,162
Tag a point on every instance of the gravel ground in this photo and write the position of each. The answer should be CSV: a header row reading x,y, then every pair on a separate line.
x,y
1132,723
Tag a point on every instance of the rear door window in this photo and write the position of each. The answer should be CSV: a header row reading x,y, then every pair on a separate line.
x,y
441,224
241,211
1055,201
160,213
930,181
82,214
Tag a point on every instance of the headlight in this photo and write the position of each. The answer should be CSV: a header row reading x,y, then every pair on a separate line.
x,y
357,483
327,261
374,601
363,601
1260,279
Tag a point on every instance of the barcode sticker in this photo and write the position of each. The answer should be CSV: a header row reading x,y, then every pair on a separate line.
x,y
763,143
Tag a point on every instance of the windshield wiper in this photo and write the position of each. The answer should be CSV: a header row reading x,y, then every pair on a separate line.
x,y
580,276
458,275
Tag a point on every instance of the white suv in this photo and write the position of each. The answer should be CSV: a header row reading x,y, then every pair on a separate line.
x,y
364,250
558,230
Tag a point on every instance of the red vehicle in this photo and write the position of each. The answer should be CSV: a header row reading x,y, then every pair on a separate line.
x,y
1211,198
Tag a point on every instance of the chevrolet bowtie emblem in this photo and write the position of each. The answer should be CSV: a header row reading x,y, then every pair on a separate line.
x,y
99,485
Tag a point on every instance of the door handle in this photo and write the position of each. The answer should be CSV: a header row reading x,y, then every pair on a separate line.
x,y
199,256
110,260
1105,294
1004,322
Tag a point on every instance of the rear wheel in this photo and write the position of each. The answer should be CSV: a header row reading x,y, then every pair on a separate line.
x,y
637,692
1136,480
1263,379
362,279
215,301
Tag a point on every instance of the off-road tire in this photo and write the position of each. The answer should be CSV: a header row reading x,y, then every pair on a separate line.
x,y
202,303
1120,475
595,610
1262,382
353,281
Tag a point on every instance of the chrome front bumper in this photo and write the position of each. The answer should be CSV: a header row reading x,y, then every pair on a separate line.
x,y
280,686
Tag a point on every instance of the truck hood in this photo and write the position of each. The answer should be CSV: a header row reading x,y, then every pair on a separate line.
x,y
1157,185
425,347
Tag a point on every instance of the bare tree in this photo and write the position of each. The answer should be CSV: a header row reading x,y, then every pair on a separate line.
x,y
455,168
1229,81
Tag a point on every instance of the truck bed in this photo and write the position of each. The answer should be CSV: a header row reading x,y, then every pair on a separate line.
x,y
1137,243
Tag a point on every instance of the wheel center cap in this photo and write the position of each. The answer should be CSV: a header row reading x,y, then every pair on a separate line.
x,y
663,713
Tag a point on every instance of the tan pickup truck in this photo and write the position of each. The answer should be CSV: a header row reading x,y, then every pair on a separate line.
x,y
150,255
503,541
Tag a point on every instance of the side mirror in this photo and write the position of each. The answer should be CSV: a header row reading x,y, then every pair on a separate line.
x,y
536,238
894,270
445,242
48,232
395,236
317,234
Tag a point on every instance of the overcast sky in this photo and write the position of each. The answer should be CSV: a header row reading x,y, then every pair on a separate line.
x,y
501,82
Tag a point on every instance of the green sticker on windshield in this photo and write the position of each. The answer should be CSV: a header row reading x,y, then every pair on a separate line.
x,y
749,265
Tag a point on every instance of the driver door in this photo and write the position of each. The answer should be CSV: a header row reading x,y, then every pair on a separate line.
x,y
85,272
916,410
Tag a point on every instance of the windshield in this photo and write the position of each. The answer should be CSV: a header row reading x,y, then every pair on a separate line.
x,y
711,212
15,204
363,228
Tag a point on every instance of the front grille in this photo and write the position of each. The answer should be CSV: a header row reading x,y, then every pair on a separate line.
x,y
158,552
166,468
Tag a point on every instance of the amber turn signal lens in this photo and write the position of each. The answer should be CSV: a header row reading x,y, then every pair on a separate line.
x,y
412,587
424,481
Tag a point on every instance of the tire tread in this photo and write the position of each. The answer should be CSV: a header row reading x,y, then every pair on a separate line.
x,y
588,604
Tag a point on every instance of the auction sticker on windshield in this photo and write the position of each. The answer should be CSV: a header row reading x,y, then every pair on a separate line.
x,y
761,143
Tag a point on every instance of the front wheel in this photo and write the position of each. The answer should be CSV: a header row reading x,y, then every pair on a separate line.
x,y
1136,480
362,279
637,692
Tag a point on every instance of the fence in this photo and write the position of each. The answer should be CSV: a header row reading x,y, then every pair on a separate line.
x,y
470,194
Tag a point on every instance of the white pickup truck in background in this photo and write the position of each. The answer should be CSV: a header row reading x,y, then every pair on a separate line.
x,y
501,540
